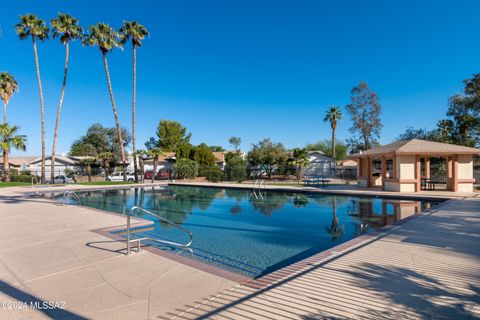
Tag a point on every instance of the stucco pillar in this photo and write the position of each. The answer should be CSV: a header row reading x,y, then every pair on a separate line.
x,y
418,173
384,171
427,167
455,173
449,173
369,172
394,171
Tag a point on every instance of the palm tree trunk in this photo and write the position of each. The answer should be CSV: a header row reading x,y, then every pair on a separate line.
x,y
4,113
154,172
42,109
333,143
117,122
134,97
6,166
57,122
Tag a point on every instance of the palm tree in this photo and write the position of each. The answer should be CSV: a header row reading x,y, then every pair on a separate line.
x,y
87,162
10,139
105,37
105,158
299,160
8,86
333,116
155,154
32,27
67,28
131,30
140,153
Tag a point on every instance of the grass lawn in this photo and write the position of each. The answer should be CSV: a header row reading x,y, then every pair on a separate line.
x,y
104,183
14,184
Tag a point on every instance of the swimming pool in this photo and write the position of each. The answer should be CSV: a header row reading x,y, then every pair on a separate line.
x,y
250,233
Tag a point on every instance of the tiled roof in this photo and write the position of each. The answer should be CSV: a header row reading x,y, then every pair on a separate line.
x,y
417,146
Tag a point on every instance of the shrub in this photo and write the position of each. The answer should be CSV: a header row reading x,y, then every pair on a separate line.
x,y
21,178
185,169
213,174
236,167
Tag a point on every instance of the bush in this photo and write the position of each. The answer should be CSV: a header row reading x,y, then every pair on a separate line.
x,y
21,178
213,174
185,169
236,168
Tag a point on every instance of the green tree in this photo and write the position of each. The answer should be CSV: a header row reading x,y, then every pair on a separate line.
x,y
32,27
364,110
183,151
67,29
235,142
99,139
10,139
185,169
300,160
105,38
464,110
169,135
135,32
155,154
105,160
216,148
204,157
87,163
325,146
8,86
236,167
333,115
267,155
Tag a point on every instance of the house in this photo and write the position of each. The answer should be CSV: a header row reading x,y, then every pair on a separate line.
x,y
168,159
406,166
62,163
18,163
319,164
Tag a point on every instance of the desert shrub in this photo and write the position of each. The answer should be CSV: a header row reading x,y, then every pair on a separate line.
x,y
185,169
213,174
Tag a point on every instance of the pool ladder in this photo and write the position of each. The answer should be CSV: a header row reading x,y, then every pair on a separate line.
x,y
257,186
137,241
67,195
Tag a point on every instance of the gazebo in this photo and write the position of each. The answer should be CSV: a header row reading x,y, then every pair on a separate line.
x,y
404,166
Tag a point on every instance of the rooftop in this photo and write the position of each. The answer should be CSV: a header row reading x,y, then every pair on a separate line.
x,y
417,146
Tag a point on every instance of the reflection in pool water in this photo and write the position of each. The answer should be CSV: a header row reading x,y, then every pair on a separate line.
x,y
251,234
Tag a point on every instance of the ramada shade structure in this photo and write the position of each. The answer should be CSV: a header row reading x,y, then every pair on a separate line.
x,y
397,166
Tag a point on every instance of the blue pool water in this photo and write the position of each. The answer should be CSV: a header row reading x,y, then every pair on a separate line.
x,y
251,234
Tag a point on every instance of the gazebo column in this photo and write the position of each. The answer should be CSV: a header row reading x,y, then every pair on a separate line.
x,y
418,173
455,173
369,172
427,167
384,171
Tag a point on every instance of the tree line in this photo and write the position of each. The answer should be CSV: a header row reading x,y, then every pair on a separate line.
x,y
67,29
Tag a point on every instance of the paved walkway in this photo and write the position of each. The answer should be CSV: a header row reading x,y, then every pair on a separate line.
x,y
425,268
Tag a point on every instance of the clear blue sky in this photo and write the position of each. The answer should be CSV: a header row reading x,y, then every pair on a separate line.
x,y
252,69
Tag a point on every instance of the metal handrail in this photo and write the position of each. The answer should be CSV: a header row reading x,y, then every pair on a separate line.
x,y
176,244
36,181
66,197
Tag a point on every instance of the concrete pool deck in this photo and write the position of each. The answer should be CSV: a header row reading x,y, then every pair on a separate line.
x,y
427,268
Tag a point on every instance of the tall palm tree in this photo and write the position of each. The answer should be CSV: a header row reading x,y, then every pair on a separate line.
x,y
10,139
66,27
334,115
135,32
8,86
32,27
140,154
106,39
